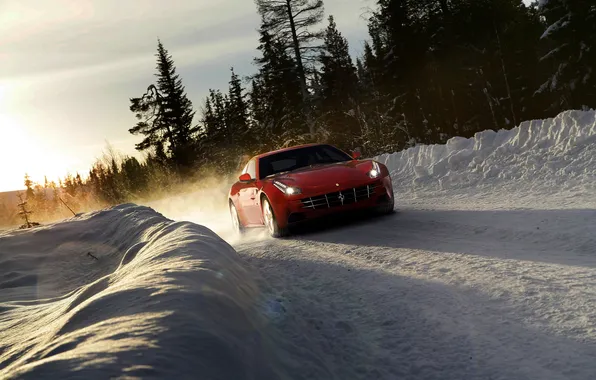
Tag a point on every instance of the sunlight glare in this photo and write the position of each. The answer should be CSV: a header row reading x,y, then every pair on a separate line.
x,y
3,92
21,153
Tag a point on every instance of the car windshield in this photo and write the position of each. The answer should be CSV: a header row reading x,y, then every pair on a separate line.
x,y
299,158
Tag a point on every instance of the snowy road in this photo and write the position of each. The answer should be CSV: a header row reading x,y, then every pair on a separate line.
x,y
487,271
438,294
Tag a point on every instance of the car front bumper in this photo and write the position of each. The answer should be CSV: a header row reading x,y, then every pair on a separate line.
x,y
360,197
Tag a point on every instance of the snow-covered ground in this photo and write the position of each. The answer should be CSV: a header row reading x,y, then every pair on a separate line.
x,y
487,271
127,293
539,164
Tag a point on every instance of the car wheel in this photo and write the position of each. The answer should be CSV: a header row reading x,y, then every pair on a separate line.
x,y
389,207
236,223
270,221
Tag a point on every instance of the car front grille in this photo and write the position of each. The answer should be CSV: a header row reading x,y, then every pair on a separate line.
x,y
340,198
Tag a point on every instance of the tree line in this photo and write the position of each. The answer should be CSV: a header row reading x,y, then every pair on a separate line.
x,y
429,70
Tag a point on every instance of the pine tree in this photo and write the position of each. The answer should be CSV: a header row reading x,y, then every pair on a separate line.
x,y
25,212
477,70
216,137
431,69
291,23
70,185
166,114
338,86
338,72
147,110
434,69
238,113
275,97
259,113
393,61
176,108
133,177
569,42
29,192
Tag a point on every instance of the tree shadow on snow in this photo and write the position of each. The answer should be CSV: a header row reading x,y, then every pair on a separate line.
x,y
564,237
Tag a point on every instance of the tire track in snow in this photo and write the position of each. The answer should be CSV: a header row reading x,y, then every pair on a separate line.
x,y
425,313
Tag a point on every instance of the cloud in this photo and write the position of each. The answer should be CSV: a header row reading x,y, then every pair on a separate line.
x,y
135,66
86,33
58,39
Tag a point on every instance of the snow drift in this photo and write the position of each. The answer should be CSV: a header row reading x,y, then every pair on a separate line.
x,y
540,157
125,292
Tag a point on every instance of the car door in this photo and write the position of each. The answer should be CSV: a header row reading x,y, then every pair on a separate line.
x,y
247,195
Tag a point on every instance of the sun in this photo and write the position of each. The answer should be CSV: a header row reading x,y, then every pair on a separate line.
x,y
21,152
11,154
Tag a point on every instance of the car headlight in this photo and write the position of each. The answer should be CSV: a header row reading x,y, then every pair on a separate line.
x,y
289,190
375,172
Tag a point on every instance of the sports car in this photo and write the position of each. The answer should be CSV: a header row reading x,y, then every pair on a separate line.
x,y
297,184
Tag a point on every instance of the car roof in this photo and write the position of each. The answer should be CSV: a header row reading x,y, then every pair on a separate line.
x,y
287,149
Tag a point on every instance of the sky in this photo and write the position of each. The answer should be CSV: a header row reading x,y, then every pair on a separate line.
x,y
69,67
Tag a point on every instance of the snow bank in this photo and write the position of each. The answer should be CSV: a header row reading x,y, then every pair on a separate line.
x,y
125,292
541,156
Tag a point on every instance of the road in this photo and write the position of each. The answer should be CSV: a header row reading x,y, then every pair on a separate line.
x,y
438,294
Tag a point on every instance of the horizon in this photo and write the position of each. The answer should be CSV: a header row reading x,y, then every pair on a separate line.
x,y
65,95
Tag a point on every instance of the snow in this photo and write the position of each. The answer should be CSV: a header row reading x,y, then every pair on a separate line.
x,y
486,271
538,160
557,25
163,299
433,294
554,51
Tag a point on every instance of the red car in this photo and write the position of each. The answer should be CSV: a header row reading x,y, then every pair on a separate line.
x,y
292,185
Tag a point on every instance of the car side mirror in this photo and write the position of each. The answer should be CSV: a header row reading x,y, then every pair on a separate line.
x,y
356,155
245,177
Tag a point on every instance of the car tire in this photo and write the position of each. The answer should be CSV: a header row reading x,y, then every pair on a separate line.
x,y
236,223
270,220
388,208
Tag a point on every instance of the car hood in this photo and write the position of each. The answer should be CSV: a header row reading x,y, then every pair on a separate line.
x,y
343,173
